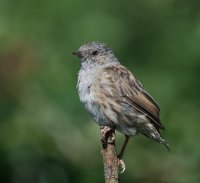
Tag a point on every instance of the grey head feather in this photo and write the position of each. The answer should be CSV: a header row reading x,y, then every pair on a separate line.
x,y
95,53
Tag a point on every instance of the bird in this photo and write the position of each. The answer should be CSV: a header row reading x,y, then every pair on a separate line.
x,y
114,97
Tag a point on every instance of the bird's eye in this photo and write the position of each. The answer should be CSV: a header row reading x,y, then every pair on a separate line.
x,y
94,53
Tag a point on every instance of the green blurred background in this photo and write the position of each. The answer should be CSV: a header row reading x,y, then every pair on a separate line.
x,y
45,134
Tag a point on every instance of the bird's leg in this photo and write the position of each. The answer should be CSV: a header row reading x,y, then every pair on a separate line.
x,y
123,147
121,162
105,130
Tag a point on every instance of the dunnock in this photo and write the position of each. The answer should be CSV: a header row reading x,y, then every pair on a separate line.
x,y
114,97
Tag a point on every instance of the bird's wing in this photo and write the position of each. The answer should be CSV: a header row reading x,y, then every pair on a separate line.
x,y
122,85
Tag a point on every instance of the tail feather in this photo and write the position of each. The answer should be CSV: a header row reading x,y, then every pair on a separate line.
x,y
155,135
164,142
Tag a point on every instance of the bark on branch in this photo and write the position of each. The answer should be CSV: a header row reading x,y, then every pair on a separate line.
x,y
110,160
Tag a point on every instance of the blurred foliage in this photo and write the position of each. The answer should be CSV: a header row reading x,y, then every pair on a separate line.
x,y
45,134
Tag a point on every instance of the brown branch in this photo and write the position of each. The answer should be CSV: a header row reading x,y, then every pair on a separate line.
x,y
109,154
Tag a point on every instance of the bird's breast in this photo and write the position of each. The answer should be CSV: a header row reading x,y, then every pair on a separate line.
x,y
86,80
83,85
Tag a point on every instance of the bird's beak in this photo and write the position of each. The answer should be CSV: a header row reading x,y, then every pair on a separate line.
x,y
77,53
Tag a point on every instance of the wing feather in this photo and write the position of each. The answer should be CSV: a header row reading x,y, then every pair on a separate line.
x,y
132,92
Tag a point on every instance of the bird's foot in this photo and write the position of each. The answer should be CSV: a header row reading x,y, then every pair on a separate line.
x,y
105,133
122,165
104,130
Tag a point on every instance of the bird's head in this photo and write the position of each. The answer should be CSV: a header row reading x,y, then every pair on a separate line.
x,y
95,52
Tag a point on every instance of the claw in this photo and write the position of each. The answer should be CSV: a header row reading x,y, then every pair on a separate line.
x,y
104,133
105,130
122,165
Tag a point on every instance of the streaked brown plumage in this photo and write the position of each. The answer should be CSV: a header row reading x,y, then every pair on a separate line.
x,y
113,96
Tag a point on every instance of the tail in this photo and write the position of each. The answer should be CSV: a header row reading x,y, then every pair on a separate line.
x,y
155,135
164,142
